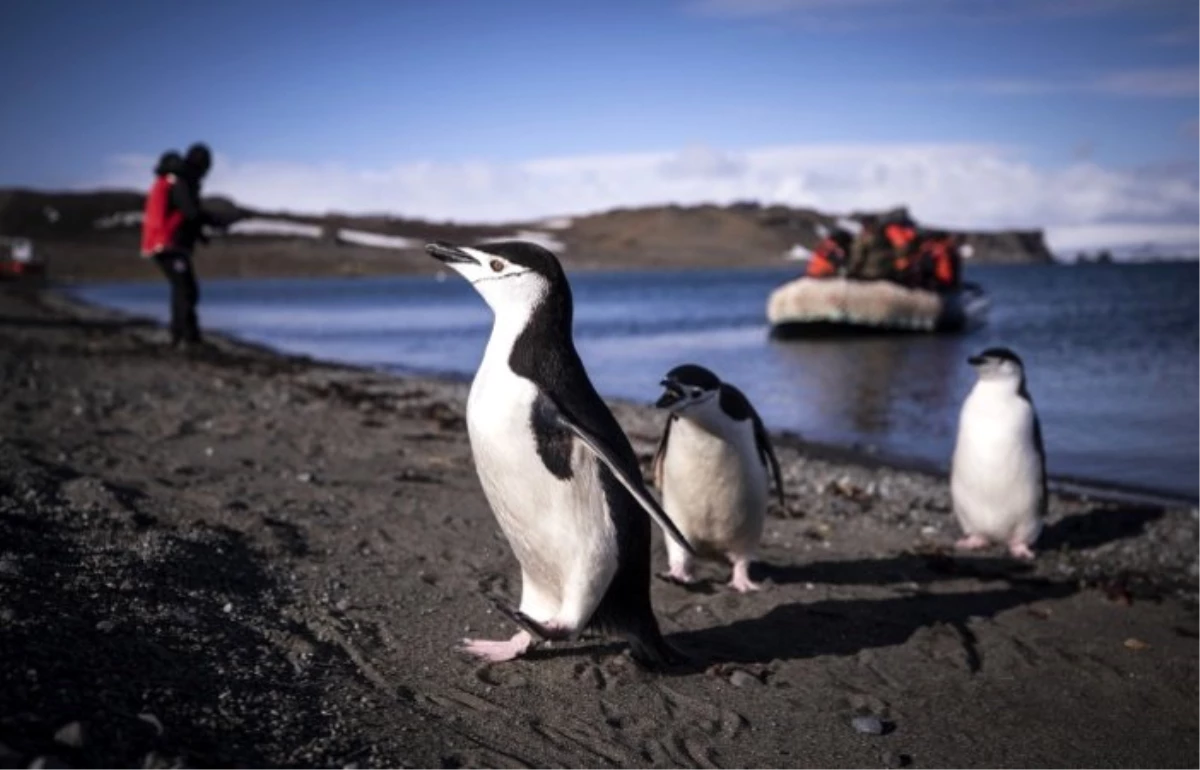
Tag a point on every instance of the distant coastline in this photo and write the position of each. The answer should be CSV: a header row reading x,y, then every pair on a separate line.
x,y
91,236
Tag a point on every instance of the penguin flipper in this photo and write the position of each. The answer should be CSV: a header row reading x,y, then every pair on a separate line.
x,y
735,403
1044,498
660,454
599,447
767,451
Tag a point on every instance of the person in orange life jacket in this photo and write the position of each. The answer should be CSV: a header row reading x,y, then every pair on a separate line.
x,y
171,227
939,261
830,257
902,236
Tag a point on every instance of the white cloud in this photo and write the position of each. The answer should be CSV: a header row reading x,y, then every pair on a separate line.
x,y
751,8
1168,81
863,13
1162,82
1171,240
953,185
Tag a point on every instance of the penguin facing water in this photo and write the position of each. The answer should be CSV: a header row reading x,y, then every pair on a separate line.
x,y
712,468
555,466
998,472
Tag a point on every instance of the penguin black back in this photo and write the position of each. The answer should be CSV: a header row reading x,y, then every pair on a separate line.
x,y
545,354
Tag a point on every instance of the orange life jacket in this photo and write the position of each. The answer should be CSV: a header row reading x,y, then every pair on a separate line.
x,y
900,236
939,252
159,223
825,260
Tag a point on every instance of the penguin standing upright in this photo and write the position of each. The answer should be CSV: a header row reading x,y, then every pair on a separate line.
x,y
712,468
998,473
555,466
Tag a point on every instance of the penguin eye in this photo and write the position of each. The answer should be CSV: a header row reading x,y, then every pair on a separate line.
x,y
496,265
696,392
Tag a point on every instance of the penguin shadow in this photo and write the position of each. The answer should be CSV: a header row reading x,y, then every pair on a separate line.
x,y
1097,527
705,586
908,567
842,626
848,626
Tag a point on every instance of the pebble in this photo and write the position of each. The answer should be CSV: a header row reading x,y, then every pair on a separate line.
x,y
71,734
105,626
228,607
304,478
155,760
868,725
342,605
153,721
743,679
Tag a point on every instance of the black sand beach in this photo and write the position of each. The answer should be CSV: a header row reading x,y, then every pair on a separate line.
x,y
238,558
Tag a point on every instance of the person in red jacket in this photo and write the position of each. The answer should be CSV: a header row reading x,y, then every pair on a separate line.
x,y
172,224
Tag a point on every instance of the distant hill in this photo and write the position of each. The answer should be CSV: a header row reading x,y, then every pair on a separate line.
x,y
94,235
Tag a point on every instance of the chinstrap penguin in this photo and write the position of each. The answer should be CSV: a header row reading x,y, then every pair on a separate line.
x,y
712,469
555,466
998,472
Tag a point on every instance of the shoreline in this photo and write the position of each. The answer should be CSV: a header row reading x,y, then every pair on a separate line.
x,y
239,558
1078,487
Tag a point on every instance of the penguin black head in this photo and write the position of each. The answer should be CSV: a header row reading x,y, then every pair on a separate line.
x,y
688,386
998,363
511,276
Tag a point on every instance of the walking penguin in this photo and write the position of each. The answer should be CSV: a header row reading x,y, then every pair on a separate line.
x,y
712,469
555,466
998,473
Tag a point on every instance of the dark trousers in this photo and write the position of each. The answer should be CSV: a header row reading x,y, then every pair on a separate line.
x,y
177,267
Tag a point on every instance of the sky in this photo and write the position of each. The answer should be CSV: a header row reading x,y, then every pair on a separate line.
x,y
1079,116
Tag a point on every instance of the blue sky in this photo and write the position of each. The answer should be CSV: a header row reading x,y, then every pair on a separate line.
x,y
356,105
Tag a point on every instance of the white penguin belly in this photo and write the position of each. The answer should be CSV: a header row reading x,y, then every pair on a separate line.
x,y
995,484
714,490
559,529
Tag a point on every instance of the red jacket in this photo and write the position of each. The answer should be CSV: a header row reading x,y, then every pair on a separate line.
x,y
159,222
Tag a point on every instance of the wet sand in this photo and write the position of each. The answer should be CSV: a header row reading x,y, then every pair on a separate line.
x,y
239,558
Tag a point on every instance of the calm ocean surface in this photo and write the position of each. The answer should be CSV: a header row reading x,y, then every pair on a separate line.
x,y
1111,352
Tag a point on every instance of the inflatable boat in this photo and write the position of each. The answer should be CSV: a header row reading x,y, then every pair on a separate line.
x,y
826,307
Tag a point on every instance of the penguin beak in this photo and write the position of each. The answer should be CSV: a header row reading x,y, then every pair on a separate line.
x,y
976,360
449,253
670,397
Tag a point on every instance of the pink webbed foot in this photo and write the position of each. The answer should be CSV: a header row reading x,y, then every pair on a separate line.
x,y
972,543
1020,551
741,581
680,574
494,651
